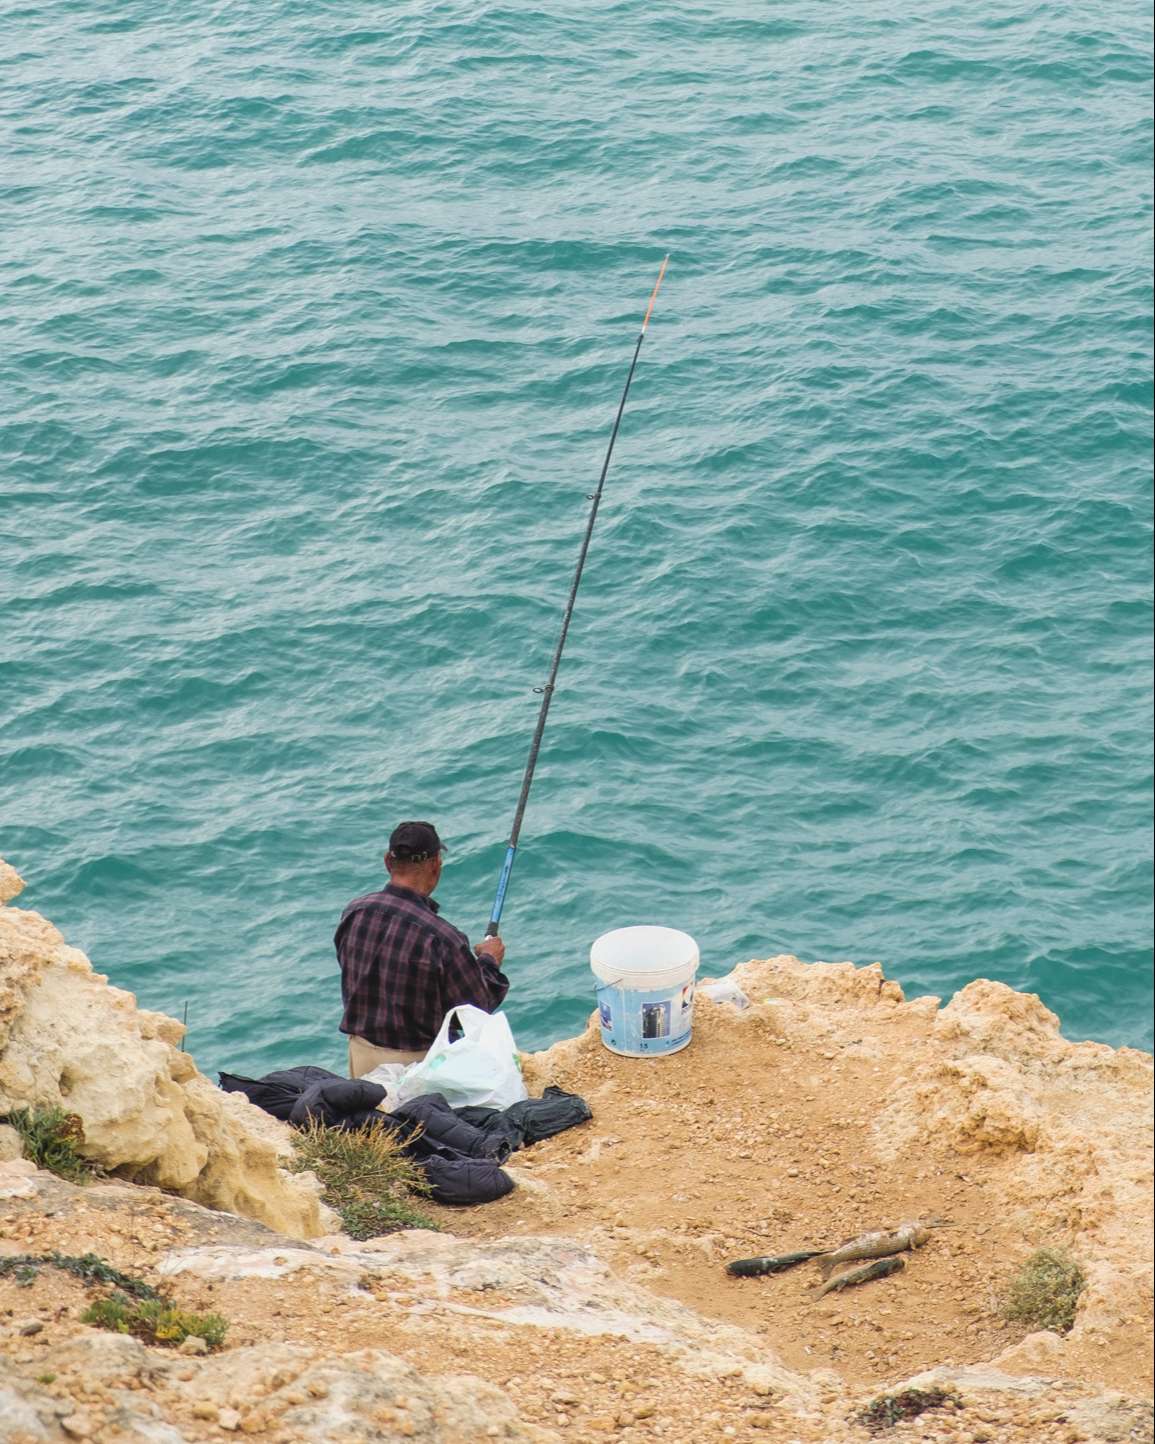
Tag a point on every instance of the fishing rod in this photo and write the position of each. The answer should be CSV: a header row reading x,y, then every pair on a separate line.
x,y
547,691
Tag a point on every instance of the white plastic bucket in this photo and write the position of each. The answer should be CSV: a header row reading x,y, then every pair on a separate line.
x,y
645,989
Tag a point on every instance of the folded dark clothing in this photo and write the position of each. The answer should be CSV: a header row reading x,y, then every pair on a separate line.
x,y
532,1119
493,1123
276,1093
554,1112
466,1180
347,1103
431,1117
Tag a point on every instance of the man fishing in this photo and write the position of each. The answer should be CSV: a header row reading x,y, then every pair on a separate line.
x,y
402,965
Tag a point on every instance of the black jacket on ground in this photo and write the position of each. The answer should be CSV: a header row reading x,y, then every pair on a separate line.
x,y
532,1119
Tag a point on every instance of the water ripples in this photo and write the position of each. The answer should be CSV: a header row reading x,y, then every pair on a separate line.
x,y
316,326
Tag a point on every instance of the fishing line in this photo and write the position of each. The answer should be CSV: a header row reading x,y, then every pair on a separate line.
x,y
548,690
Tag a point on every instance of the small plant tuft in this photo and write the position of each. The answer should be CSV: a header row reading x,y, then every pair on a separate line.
x,y
52,1139
890,1409
134,1308
22,1269
1045,1292
156,1321
89,1268
365,1176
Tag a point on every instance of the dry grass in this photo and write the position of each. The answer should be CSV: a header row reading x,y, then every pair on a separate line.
x,y
366,1177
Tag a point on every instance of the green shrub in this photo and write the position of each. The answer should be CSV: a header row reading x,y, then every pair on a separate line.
x,y
89,1268
51,1139
134,1308
1045,1292
156,1321
365,1176
890,1409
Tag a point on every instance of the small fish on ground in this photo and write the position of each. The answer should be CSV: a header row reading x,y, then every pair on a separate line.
x,y
880,1268
880,1243
751,1268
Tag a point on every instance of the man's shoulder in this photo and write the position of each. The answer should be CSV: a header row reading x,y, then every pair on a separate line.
x,y
366,900
400,903
391,901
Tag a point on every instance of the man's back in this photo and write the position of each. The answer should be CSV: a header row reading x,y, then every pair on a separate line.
x,y
403,967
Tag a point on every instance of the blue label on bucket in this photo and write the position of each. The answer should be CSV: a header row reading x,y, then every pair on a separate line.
x,y
646,1022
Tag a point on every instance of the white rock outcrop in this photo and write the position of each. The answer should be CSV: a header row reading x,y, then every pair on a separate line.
x,y
68,1039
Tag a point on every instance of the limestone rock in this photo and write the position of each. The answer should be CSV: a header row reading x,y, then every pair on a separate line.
x,y
989,1017
975,1105
68,1039
822,983
369,1395
11,1144
548,1283
11,883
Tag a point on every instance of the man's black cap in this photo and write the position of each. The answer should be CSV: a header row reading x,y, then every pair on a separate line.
x,y
414,842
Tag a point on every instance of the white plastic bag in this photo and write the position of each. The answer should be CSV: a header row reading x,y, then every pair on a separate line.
x,y
478,1069
389,1076
726,990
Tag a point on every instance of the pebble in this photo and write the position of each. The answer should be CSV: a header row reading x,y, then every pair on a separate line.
x,y
77,1426
194,1344
229,1419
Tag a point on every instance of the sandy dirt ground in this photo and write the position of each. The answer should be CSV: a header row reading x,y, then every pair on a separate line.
x,y
779,1128
759,1139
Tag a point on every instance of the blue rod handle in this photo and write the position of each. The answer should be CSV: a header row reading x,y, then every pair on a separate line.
x,y
499,900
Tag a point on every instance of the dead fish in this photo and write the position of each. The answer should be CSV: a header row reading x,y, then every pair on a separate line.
x,y
752,1268
881,1268
880,1244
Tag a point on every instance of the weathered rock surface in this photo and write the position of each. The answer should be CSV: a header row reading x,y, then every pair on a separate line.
x,y
547,1283
69,1039
368,1395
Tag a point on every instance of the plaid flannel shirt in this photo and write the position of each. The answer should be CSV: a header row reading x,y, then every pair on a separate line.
x,y
403,968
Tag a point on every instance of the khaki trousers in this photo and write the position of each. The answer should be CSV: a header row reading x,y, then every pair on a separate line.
x,y
365,1056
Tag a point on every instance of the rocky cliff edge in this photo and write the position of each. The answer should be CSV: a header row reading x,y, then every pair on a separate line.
x,y
593,1302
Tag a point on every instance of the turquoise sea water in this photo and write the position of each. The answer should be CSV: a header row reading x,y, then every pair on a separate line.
x,y
316,316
